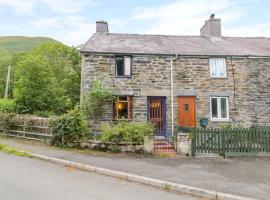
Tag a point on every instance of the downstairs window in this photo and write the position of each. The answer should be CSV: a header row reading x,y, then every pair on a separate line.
x,y
219,108
123,108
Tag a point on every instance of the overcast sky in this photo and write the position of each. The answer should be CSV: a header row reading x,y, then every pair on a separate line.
x,y
73,21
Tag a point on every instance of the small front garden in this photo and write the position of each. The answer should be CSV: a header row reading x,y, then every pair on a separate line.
x,y
72,128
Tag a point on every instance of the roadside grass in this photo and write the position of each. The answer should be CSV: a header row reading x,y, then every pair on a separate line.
x,y
92,152
14,151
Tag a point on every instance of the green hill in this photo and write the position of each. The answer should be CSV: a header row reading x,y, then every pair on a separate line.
x,y
16,44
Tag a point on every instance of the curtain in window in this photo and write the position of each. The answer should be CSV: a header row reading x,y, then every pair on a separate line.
x,y
223,105
127,61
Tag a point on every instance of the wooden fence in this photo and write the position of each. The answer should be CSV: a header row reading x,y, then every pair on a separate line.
x,y
231,141
28,127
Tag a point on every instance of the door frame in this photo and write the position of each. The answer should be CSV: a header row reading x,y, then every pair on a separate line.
x,y
195,109
164,133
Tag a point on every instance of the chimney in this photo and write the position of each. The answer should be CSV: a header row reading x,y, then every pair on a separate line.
x,y
102,27
211,27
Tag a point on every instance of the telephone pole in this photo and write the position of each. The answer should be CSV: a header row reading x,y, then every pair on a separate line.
x,y
8,83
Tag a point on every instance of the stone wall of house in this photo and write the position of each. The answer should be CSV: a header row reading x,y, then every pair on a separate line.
x,y
247,85
258,84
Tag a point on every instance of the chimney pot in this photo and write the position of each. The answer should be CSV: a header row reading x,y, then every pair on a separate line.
x,y
102,27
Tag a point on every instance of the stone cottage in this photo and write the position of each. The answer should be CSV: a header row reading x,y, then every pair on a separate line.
x,y
179,80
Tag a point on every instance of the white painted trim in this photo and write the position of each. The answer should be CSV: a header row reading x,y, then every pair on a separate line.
x,y
218,76
219,119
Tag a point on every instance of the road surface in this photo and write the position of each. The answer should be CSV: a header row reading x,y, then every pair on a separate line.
x,y
29,179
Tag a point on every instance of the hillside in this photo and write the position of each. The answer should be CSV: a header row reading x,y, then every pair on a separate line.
x,y
16,44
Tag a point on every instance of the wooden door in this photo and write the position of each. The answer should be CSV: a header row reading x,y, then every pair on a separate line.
x,y
186,112
157,114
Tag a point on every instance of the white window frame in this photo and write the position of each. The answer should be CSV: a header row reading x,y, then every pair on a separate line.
x,y
219,118
213,66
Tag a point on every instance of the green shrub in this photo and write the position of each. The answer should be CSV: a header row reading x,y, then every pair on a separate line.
x,y
95,101
230,126
69,129
126,132
6,121
7,105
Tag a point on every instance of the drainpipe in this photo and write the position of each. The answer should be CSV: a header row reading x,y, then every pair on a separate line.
x,y
172,96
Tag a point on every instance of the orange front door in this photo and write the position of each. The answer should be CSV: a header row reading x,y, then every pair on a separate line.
x,y
186,112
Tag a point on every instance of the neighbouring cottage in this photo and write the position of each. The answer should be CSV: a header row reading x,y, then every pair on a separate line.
x,y
179,80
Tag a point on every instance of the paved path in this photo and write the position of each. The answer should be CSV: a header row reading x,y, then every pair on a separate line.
x,y
245,177
30,179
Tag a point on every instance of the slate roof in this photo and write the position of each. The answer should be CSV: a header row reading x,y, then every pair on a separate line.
x,y
182,45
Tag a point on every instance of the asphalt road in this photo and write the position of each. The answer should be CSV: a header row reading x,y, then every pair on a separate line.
x,y
29,179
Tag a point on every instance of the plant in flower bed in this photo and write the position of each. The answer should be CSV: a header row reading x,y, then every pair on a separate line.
x,y
69,129
125,132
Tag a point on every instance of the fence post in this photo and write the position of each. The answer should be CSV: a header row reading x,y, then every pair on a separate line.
x,y
24,127
193,145
223,132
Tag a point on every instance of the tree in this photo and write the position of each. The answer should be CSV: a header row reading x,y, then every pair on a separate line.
x,y
33,85
47,79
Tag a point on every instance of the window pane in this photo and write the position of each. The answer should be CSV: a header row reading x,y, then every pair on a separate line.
x,y
213,67
223,104
127,66
217,67
214,108
221,67
122,108
186,107
119,66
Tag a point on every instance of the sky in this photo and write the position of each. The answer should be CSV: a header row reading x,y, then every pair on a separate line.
x,y
73,21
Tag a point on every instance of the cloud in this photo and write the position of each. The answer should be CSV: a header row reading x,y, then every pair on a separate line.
x,y
257,30
18,6
69,29
66,6
64,20
186,17
55,6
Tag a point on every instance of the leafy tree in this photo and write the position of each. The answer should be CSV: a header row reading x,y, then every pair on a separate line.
x,y
65,63
33,85
47,79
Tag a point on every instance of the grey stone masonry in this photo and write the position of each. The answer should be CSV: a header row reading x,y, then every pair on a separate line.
x,y
247,85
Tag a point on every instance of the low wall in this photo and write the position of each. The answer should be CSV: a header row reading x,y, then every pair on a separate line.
x,y
113,147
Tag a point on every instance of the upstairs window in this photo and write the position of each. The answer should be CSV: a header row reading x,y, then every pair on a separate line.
x,y
219,107
123,108
123,66
217,67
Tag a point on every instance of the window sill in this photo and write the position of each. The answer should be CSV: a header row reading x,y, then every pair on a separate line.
x,y
123,77
220,120
212,77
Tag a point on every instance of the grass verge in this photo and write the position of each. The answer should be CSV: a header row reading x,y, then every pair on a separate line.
x,y
14,151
